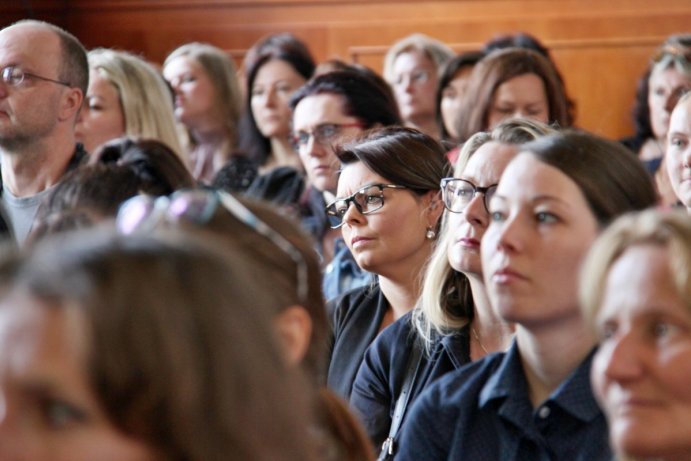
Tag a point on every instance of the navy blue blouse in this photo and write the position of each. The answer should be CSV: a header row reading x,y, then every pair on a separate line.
x,y
483,412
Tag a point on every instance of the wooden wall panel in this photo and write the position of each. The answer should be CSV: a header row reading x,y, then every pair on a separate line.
x,y
601,46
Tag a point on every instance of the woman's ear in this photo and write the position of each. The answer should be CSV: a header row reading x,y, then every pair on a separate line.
x,y
435,208
294,328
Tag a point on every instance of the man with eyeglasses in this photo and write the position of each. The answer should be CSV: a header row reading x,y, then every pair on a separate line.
x,y
43,80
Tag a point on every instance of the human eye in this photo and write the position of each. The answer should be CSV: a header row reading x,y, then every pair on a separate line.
x,y
327,131
678,142
546,217
284,88
420,76
606,330
257,91
59,414
659,91
448,93
497,214
662,329
465,191
301,138
188,78
94,104
504,109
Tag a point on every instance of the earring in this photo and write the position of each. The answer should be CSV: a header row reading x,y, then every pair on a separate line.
x,y
431,234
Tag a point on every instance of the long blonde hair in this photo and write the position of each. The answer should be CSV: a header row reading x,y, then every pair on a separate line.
x,y
446,302
147,103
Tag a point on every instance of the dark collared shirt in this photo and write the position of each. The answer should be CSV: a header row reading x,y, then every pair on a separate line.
x,y
483,412
380,379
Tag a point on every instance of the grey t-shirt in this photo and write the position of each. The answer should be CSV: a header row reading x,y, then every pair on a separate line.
x,y
21,212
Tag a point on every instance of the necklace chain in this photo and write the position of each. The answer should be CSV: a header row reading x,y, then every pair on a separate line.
x,y
477,338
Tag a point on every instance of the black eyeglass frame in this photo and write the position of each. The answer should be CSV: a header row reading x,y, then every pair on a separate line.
x,y
476,189
332,212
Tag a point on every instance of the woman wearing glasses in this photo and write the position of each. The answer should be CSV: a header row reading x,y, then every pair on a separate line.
x,y
388,209
453,321
535,401
668,77
329,110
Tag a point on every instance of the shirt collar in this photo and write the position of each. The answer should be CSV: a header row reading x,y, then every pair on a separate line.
x,y
508,382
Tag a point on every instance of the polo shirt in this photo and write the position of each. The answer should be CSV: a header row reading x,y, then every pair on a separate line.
x,y
483,412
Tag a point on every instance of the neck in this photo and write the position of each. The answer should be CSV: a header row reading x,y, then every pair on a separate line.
x,y
401,296
551,353
282,154
210,137
490,333
426,124
36,166
402,286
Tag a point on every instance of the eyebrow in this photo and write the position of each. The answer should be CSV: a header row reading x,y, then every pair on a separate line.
x,y
535,200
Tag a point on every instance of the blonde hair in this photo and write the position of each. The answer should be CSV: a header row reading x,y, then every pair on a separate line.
x,y
438,52
446,303
670,230
223,76
147,103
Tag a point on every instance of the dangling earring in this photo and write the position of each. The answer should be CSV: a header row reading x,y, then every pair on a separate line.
x,y
431,234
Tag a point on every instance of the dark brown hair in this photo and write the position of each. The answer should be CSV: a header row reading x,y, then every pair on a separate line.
x,y
180,346
612,180
404,156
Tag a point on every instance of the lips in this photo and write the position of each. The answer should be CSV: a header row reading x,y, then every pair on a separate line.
x,y
507,275
469,242
358,241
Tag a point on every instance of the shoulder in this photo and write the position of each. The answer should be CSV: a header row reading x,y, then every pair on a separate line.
x,y
352,301
449,403
462,386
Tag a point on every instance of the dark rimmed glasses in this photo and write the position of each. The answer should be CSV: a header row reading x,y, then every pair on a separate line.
x,y
366,200
143,213
323,134
457,194
14,76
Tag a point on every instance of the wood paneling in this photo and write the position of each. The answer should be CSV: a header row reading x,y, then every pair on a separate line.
x,y
601,46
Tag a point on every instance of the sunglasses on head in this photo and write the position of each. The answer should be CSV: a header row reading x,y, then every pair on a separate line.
x,y
144,213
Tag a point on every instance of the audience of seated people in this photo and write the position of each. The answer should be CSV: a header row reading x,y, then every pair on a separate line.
x,y
454,327
535,401
453,322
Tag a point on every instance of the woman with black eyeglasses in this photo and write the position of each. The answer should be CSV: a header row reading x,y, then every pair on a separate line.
x,y
452,322
388,210
329,110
